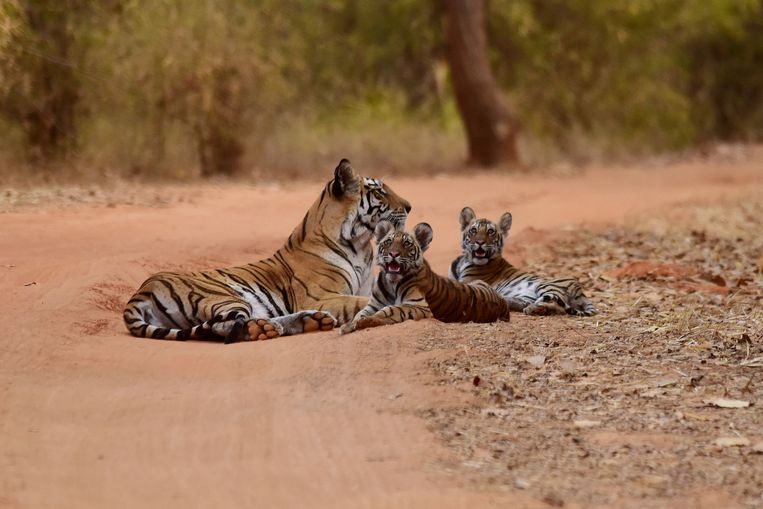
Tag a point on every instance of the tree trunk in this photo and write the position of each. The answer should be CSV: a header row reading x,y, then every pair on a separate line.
x,y
219,130
491,129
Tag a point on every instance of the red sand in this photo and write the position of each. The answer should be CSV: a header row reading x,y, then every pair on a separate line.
x,y
91,417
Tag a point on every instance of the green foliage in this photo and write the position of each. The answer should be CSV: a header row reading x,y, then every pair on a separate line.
x,y
726,69
39,47
11,23
224,81
200,87
618,71
195,69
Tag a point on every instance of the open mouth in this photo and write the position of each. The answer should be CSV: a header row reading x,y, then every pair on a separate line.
x,y
393,267
480,253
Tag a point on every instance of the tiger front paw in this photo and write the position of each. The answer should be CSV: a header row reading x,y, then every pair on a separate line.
x,y
347,328
543,309
587,309
366,322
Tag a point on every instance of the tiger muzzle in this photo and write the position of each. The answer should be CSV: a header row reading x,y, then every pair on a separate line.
x,y
397,218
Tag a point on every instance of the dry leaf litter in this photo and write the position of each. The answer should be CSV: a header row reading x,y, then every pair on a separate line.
x,y
660,393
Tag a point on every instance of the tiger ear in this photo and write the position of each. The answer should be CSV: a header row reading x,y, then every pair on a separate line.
x,y
423,234
345,181
505,223
466,217
382,229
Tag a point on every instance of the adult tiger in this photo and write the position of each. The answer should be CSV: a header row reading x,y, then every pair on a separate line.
x,y
482,244
408,289
318,278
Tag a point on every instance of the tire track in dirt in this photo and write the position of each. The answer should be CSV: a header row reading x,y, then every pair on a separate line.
x,y
321,420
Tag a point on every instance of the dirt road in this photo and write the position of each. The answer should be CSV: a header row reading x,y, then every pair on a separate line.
x,y
91,417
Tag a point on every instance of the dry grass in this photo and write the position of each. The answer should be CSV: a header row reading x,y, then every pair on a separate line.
x,y
113,194
588,410
296,149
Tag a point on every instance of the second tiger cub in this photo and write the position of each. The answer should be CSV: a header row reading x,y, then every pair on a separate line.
x,y
408,289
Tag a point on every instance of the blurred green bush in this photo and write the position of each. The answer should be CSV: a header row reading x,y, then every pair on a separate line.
x,y
181,88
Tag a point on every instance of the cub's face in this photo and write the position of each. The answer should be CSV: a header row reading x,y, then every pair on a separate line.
x,y
400,253
482,239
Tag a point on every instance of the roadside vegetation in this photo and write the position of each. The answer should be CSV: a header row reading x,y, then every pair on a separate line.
x,y
179,89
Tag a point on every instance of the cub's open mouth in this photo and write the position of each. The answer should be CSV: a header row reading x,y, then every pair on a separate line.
x,y
393,267
480,253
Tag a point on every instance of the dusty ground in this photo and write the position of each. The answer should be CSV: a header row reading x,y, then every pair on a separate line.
x,y
611,411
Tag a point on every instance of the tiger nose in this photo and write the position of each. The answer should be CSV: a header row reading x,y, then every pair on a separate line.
x,y
394,254
407,207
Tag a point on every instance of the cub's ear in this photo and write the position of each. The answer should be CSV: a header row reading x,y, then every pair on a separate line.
x,y
466,217
505,223
382,229
345,181
423,234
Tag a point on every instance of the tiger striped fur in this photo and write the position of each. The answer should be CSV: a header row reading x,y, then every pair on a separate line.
x,y
482,260
316,280
407,288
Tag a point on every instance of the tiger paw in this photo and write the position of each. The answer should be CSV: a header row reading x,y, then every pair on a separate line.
x,y
543,309
261,328
587,310
347,328
318,321
367,322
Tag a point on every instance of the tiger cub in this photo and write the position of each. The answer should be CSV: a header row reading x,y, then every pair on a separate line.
x,y
408,289
482,244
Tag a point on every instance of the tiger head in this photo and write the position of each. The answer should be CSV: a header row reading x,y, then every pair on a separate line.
x,y
401,253
367,200
481,239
